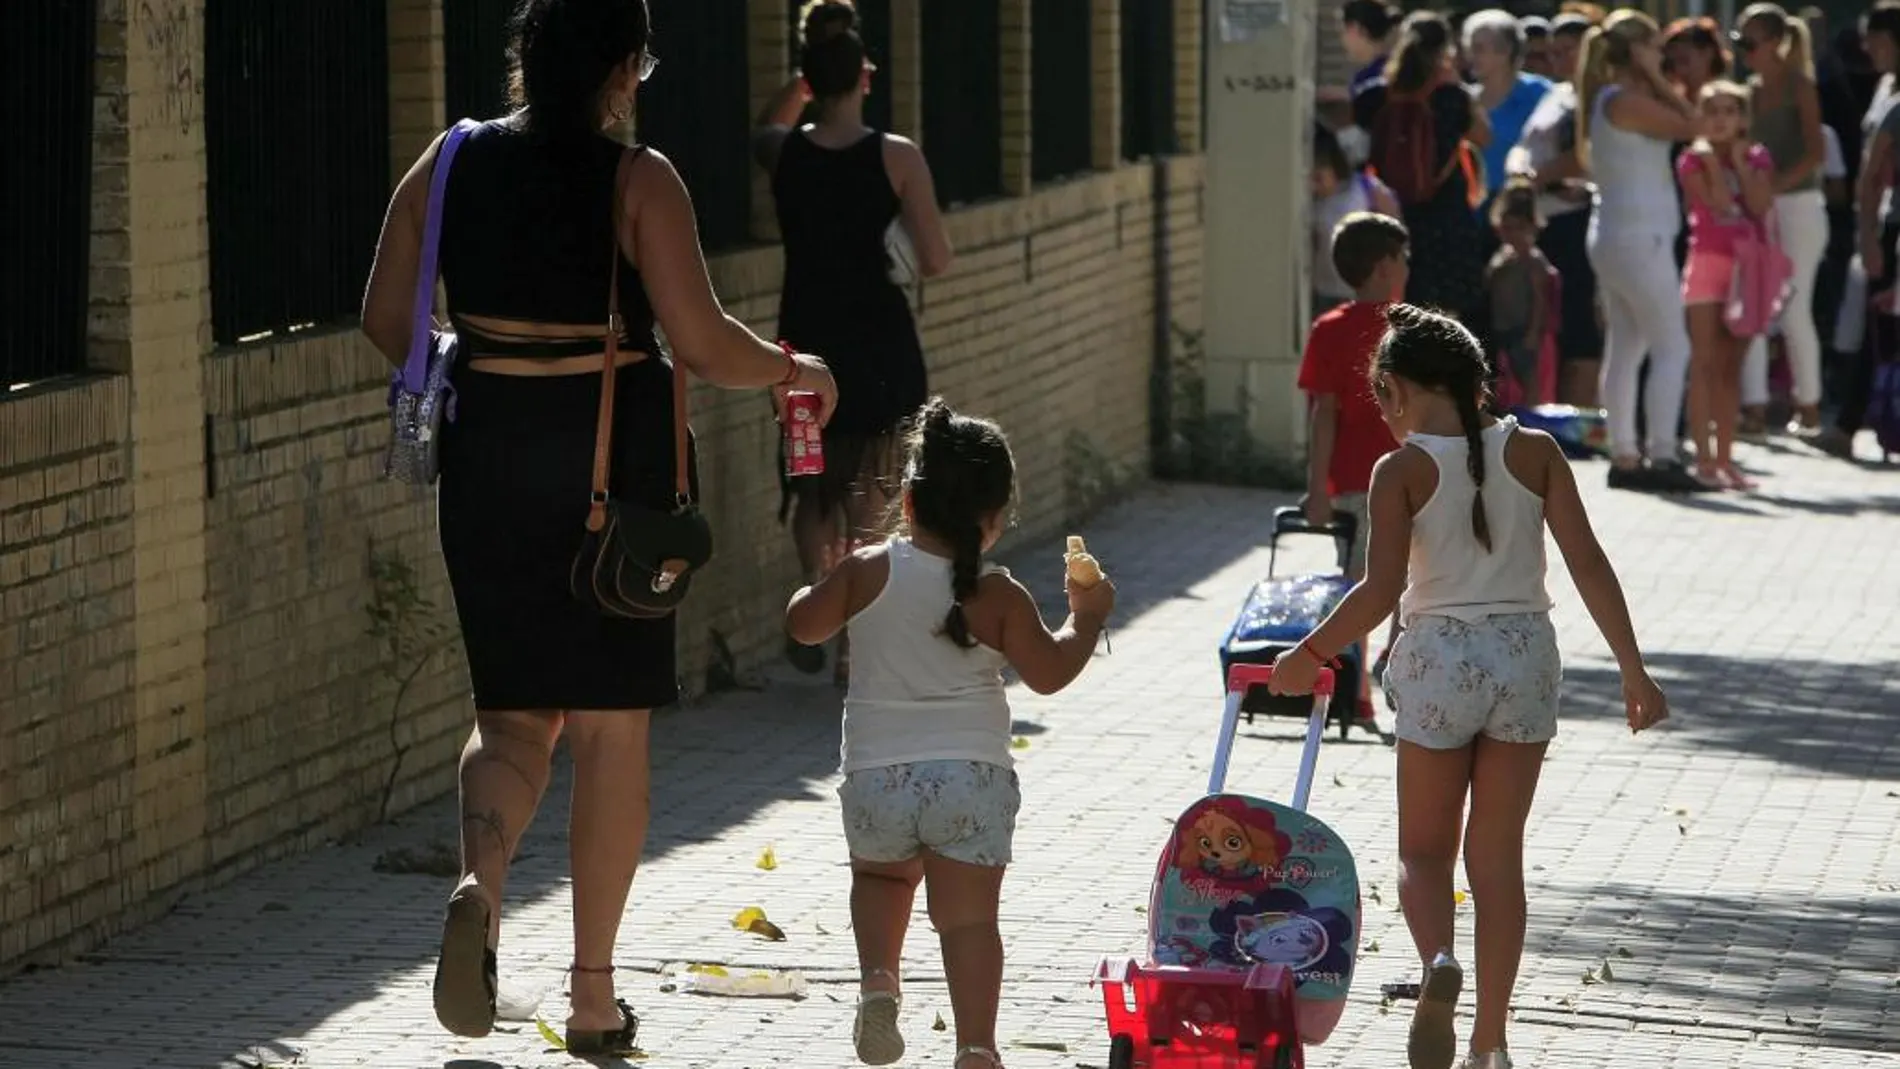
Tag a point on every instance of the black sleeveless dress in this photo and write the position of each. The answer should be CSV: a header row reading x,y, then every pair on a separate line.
x,y
838,301
527,234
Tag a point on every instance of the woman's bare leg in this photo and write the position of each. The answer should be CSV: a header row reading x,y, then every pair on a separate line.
x,y
504,771
1503,783
607,831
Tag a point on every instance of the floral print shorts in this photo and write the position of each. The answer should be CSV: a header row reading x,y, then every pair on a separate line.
x,y
1449,680
962,810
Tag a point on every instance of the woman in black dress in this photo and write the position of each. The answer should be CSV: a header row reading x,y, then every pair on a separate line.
x,y
1448,236
840,186
538,207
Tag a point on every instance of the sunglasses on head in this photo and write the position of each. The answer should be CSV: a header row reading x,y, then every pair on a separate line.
x,y
1743,42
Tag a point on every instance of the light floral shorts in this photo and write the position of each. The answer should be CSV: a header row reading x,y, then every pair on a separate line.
x,y
962,810
1449,681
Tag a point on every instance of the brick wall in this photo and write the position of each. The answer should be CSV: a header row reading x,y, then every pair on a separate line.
x,y
189,540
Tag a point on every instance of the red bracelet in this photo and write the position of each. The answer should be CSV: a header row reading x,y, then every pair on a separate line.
x,y
1313,653
791,363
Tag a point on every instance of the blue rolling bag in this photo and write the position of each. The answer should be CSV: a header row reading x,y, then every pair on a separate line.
x,y
1279,612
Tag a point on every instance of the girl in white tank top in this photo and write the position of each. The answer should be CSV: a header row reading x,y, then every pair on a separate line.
x,y
1457,547
928,791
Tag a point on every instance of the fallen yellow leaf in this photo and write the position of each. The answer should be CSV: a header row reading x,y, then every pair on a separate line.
x,y
1459,897
1019,743
549,1035
768,860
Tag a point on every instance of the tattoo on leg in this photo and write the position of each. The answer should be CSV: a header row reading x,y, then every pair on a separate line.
x,y
490,822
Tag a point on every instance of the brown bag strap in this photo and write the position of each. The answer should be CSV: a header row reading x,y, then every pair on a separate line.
x,y
604,430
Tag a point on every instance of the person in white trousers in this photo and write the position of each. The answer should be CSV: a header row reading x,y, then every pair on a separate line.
x,y
1628,119
1785,117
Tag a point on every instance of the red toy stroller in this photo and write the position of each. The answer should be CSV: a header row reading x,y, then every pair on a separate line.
x,y
1253,925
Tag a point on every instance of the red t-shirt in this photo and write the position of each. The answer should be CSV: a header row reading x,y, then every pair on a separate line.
x,y
1338,361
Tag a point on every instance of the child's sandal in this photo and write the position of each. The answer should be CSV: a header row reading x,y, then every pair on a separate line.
x,y
984,1053
875,1034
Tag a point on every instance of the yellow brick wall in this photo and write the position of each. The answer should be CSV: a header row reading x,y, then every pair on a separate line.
x,y
187,683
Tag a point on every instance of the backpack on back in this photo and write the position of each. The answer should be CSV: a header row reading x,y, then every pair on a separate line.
x,y
1405,148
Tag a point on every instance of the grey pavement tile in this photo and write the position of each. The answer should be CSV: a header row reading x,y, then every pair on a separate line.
x,y
1737,869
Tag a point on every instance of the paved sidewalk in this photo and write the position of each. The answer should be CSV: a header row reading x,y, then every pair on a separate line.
x,y
1736,871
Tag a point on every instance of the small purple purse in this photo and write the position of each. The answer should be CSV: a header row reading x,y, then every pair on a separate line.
x,y
420,395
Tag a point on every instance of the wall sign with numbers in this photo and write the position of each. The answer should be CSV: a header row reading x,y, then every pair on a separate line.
x,y
1261,83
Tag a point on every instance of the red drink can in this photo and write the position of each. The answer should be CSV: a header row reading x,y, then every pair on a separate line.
x,y
804,439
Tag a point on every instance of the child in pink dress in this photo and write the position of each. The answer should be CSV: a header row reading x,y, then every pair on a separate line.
x,y
1727,184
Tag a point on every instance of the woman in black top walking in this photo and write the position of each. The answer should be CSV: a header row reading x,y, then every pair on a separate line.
x,y
840,186
539,206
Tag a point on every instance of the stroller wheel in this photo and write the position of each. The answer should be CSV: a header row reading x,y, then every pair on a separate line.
x,y
1121,1052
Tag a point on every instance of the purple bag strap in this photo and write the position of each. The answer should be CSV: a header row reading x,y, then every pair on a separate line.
x,y
415,370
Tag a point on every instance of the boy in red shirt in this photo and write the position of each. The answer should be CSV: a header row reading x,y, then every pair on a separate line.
x,y
1348,436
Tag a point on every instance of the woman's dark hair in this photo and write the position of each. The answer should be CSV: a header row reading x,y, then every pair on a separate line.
x,y
960,473
1424,37
1437,352
1373,17
561,53
831,56
1328,154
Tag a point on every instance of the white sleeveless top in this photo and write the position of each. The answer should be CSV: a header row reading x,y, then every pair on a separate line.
x,y
1354,196
915,695
1635,179
1450,573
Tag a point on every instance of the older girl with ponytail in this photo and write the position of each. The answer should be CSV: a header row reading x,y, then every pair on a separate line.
x,y
928,791
1629,117
1457,546
1785,117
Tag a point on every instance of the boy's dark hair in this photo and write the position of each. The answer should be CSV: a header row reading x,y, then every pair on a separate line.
x,y
1328,154
1570,24
1516,200
1375,17
1437,352
959,474
1362,241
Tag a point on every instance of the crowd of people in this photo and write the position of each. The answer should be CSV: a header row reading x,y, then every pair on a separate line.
x,y
1627,221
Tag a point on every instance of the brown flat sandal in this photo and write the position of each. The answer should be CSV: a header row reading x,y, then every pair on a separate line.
x,y
465,974
610,1041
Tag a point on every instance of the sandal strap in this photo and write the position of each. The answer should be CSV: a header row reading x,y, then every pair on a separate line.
x,y
984,1053
592,970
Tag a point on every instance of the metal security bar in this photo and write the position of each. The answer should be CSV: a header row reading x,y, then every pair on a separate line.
x,y
475,57
46,196
874,25
963,98
1061,88
697,107
1147,78
297,160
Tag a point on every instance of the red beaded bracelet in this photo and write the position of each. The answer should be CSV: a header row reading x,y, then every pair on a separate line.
x,y
1313,653
791,363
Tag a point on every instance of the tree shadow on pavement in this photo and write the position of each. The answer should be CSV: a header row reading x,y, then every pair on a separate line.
x,y
1832,717
326,941
1815,968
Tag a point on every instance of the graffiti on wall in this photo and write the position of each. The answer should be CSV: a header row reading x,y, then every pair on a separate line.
x,y
165,26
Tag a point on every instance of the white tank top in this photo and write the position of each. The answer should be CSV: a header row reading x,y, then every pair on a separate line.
x,y
1635,179
1450,573
915,695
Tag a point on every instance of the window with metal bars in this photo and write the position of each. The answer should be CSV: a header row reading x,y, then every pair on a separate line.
x,y
874,25
1061,88
697,107
475,57
963,98
1147,78
297,160
47,45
